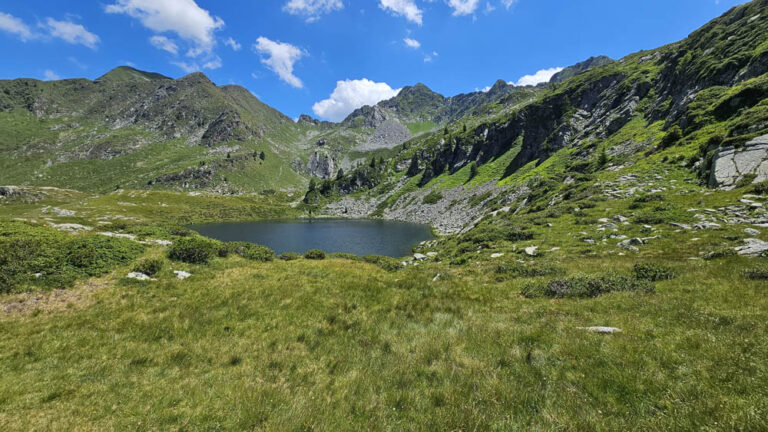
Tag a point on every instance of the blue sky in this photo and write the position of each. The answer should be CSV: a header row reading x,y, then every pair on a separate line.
x,y
293,53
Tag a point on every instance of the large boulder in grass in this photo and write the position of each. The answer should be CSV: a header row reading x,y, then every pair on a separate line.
x,y
753,248
732,165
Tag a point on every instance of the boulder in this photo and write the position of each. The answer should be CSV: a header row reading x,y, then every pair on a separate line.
x,y
601,329
753,247
731,165
419,257
138,276
531,250
180,274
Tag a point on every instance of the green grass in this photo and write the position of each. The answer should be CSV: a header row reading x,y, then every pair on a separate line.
x,y
342,345
421,127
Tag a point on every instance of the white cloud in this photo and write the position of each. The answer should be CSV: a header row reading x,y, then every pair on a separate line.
x,y
350,95
429,57
280,57
235,45
406,8
183,17
463,7
165,44
539,77
508,3
489,7
13,25
50,75
312,9
412,43
213,62
72,33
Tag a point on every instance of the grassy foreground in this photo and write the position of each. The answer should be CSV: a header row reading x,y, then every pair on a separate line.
x,y
343,345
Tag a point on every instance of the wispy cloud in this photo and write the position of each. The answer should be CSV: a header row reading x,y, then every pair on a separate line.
x,y
280,58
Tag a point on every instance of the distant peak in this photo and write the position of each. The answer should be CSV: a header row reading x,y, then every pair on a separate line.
x,y
129,74
196,77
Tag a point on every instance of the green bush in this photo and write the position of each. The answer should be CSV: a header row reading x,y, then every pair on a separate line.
x,y
583,286
387,263
315,254
251,251
433,197
33,256
194,250
760,188
672,137
149,267
95,255
653,272
289,256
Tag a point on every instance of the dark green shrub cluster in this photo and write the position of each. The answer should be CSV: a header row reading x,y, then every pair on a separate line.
x,y
387,263
583,286
314,254
250,251
289,256
43,257
433,197
149,267
648,198
194,250
760,273
653,272
672,137
760,188
519,270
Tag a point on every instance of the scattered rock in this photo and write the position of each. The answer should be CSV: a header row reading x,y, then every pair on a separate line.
x,y
752,247
531,250
706,225
751,231
601,330
139,276
419,257
497,255
180,274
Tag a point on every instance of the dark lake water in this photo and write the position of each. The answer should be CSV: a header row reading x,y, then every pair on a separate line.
x,y
359,237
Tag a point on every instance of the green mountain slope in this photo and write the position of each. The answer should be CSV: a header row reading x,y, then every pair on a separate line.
x,y
680,106
134,129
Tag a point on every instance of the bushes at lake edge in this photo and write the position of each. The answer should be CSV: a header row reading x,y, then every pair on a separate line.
x,y
314,254
194,250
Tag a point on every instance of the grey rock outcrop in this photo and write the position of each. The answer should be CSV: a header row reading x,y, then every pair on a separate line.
x,y
731,165
753,247
321,165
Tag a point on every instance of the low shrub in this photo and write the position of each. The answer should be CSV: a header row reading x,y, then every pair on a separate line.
x,y
314,254
653,272
584,286
289,256
760,273
194,250
149,267
251,251
387,263
35,256
760,188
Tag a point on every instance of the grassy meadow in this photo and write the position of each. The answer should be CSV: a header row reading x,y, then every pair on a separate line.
x,y
341,344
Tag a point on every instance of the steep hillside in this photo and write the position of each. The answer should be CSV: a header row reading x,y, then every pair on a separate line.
x,y
682,107
138,129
